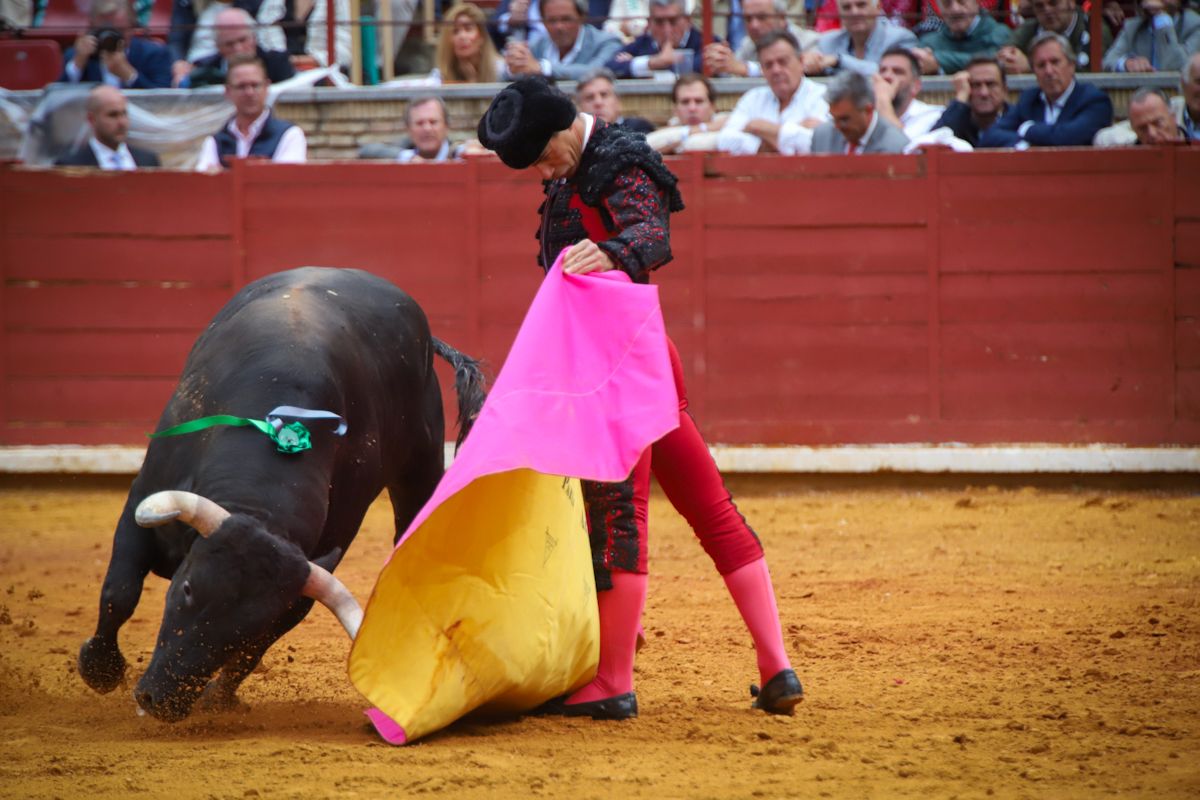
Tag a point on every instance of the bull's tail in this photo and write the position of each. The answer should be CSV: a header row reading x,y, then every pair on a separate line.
x,y
469,385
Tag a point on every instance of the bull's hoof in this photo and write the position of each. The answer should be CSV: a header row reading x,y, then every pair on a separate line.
x,y
217,698
101,665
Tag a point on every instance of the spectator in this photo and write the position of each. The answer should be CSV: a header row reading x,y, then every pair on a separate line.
x,y
980,98
106,148
1050,16
695,123
465,53
731,21
185,24
672,44
1151,119
596,93
108,54
518,19
569,49
254,131
966,33
429,130
1162,38
864,38
1189,113
779,117
317,43
1060,111
761,17
897,85
235,37
627,19
855,128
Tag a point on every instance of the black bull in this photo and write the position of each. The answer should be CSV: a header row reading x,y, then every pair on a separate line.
x,y
326,339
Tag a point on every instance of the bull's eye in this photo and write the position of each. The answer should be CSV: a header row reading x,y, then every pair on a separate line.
x,y
187,591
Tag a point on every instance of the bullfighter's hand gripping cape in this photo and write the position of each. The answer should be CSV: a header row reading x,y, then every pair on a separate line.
x,y
488,602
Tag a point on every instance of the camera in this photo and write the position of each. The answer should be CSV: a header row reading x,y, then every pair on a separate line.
x,y
108,40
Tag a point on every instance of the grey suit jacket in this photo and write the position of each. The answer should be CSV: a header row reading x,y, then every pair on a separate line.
x,y
886,138
1172,45
885,36
597,48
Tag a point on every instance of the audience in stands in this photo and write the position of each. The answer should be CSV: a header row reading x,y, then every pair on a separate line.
x,y
234,35
253,131
186,18
695,123
967,32
731,20
106,148
897,85
779,117
627,19
429,131
864,37
107,53
1051,16
761,17
465,53
980,98
1185,109
855,128
1151,119
1060,111
596,93
569,49
670,46
1161,38
517,19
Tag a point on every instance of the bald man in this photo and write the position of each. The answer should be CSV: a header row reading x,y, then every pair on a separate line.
x,y
234,36
108,115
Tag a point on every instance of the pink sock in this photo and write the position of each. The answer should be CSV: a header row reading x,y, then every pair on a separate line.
x,y
620,618
751,589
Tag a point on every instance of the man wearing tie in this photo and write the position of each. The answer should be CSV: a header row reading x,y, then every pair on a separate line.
x,y
855,127
106,148
1161,38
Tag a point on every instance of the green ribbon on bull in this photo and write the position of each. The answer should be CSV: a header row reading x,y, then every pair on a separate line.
x,y
291,437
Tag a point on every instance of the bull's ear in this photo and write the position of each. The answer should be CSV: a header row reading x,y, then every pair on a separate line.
x,y
330,559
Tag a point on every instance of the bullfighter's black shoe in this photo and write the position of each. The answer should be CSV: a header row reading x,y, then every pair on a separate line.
x,y
621,706
780,695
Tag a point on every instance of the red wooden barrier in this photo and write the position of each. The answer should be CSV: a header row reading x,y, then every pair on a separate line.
x,y
988,297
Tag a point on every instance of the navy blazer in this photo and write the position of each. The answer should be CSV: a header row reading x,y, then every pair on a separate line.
x,y
152,62
645,45
1088,109
84,156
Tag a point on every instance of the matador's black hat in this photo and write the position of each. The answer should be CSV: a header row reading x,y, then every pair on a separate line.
x,y
521,119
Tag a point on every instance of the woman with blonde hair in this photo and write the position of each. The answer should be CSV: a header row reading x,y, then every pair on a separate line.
x,y
465,53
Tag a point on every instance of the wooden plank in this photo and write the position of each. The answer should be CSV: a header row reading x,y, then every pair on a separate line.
x,y
892,167
114,354
1048,346
144,308
1123,200
87,400
1000,246
1187,293
843,395
828,299
1187,243
81,434
1055,298
129,203
349,177
1187,343
850,249
201,261
1187,183
1187,394
819,352
1068,163
1063,394
820,202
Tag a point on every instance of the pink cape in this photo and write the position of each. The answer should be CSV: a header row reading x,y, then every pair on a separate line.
x,y
586,388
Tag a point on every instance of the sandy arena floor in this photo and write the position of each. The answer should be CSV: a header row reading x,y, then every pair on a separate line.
x,y
977,642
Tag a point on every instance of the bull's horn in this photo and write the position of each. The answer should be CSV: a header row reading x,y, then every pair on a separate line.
x,y
333,594
162,507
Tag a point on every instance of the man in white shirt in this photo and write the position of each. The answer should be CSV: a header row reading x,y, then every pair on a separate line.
x,y
897,85
254,131
779,117
106,148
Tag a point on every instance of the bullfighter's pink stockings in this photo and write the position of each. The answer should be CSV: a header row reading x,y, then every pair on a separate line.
x,y
620,618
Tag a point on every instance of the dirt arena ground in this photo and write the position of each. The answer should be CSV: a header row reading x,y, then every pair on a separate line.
x,y
954,641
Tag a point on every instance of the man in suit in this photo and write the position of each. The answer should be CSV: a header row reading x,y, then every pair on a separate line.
x,y
254,132
567,51
1151,119
671,44
106,148
1060,112
1051,16
108,54
596,93
235,37
862,40
1185,108
855,128
980,98
1162,38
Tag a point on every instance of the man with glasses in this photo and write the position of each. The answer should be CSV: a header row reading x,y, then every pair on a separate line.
x,y
671,46
1051,16
254,132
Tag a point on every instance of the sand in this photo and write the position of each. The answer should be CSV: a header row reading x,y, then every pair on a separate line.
x,y
954,641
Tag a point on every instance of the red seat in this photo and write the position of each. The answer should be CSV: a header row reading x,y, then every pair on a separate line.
x,y
29,63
